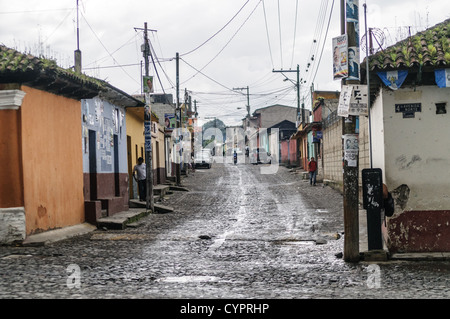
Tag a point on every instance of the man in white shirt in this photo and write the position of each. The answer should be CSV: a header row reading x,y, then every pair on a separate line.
x,y
140,170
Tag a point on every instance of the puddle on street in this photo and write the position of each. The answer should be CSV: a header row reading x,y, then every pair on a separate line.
x,y
187,279
16,256
295,242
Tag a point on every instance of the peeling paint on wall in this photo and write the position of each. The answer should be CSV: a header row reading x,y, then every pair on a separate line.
x,y
419,231
401,196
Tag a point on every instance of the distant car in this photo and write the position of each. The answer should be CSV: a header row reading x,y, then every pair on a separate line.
x,y
203,158
260,156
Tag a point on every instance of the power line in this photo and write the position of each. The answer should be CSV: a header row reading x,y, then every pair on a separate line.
x,y
223,48
295,32
95,34
211,37
111,66
35,11
199,71
279,29
267,32
326,33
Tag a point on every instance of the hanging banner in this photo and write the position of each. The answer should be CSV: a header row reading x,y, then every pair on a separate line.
x,y
352,19
442,77
393,79
340,57
352,10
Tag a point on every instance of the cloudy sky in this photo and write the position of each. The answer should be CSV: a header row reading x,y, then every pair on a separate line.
x,y
224,45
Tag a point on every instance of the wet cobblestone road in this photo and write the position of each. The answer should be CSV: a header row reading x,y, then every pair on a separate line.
x,y
236,234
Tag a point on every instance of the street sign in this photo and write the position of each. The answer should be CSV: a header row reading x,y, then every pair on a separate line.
x,y
409,109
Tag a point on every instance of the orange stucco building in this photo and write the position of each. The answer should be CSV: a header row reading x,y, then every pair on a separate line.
x,y
42,182
42,172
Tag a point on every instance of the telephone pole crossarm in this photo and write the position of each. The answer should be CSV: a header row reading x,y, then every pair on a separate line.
x,y
299,115
248,99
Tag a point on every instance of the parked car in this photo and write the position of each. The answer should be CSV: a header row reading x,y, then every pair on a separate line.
x,y
203,158
260,156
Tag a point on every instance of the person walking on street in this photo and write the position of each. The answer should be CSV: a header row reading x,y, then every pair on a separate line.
x,y
312,168
140,170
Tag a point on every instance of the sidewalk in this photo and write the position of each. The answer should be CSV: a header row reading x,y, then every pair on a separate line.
x,y
136,211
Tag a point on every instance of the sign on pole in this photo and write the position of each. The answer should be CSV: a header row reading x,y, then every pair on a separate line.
x,y
359,101
353,101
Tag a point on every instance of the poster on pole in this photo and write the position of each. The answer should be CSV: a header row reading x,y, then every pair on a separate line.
x,y
148,84
340,57
344,100
353,63
351,149
170,121
353,100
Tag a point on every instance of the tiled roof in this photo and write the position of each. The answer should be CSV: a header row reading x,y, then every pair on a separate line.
x,y
45,74
430,48
16,67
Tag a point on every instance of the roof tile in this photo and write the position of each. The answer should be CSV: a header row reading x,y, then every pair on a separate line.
x,y
428,48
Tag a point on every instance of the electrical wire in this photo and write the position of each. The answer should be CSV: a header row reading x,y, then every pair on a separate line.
x,y
95,34
267,33
62,21
223,48
211,37
326,33
279,29
295,33
206,76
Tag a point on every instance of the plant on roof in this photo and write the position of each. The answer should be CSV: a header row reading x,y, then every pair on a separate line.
x,y
447,57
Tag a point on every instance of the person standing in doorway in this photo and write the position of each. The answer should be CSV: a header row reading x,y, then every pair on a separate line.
x,y
140,170
312,168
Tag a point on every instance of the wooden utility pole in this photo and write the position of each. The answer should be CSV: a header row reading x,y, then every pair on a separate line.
x,y
147,129
248,99
351,172
178,126
299,118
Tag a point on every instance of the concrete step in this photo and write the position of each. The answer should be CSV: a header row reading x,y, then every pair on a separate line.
x,y
121,219
159,208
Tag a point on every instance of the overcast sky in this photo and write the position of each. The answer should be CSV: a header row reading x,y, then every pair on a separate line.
x,y
223,44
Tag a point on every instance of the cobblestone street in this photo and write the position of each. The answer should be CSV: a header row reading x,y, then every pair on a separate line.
x,y
236,234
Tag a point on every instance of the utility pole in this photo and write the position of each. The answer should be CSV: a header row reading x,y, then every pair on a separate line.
x,y
299,118
77,51
351,172
248,99
178,118
147,128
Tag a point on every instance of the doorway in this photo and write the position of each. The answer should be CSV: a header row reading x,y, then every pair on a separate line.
x,y
92,165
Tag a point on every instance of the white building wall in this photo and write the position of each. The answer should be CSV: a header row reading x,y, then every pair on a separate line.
x,y
417,150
